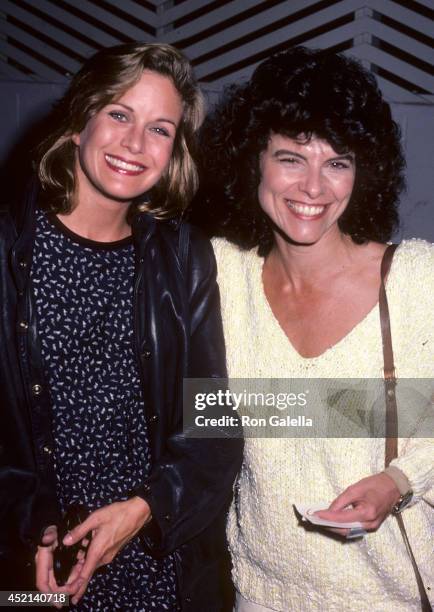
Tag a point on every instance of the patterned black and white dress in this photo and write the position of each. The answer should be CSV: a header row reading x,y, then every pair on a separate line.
x,y
84,302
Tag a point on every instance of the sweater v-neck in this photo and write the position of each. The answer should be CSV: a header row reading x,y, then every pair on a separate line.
x,y
258,264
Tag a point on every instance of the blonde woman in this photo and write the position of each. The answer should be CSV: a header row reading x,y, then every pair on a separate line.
x,y
108,301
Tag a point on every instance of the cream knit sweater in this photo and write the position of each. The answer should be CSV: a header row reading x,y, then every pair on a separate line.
x,y
278,563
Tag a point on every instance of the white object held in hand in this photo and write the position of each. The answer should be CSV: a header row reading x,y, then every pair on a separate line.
x,y
307,512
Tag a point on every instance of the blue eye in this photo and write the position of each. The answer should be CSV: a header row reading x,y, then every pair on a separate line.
x,y
160,130
118,116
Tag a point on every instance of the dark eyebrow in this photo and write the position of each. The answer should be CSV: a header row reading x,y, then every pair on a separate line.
x,y
159,119
280,152
347,156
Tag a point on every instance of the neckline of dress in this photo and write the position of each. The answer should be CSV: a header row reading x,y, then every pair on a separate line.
x,y
86,242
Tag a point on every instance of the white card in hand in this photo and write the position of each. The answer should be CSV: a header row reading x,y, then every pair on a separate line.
x,y
307,513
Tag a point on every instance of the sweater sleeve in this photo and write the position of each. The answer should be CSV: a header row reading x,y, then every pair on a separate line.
x,y
416,461
412,317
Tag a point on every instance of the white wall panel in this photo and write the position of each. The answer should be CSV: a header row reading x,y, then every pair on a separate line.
x,y
104,16
45,28
224,39
67,64
383,60
42,41
256,24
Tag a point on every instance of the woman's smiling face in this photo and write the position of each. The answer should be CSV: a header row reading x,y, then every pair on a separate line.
x,y
305,186
126,147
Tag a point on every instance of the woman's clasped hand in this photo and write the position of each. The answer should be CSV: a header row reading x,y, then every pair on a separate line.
x,y
110,301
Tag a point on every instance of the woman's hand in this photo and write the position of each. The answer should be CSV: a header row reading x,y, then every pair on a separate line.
x,y
371,500
112,527
45,579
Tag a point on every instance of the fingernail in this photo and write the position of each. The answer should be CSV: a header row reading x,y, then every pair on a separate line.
x,y
67,539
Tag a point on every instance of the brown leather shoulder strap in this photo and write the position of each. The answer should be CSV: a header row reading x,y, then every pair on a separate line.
x,y
392,411
389,365
389,368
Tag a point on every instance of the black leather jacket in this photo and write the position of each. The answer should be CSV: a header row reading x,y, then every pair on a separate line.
x,y
178,333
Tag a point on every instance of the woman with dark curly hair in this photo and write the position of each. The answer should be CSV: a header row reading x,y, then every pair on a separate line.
x,y
301,173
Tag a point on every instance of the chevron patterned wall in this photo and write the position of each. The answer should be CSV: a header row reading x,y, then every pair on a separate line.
x,y
47,40
43,42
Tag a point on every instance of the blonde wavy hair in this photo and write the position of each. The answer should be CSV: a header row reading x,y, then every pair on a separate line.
x,y
104,78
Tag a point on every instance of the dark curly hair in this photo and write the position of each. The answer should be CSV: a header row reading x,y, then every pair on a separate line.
x,y
299,92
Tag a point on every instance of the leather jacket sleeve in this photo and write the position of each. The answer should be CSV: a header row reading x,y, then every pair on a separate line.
x,y
191,485
27,494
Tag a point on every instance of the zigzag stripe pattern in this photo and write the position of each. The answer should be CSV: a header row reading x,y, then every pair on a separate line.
x,y
47,40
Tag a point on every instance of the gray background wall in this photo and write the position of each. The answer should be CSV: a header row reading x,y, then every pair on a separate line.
x,y
43,42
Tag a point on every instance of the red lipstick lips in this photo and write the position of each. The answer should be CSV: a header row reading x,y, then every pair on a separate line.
x,y
128,168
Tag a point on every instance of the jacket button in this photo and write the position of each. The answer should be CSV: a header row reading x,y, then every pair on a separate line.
x,y
47,450
146,354
36,389
167,518
23,264
24,325
154,418
188,600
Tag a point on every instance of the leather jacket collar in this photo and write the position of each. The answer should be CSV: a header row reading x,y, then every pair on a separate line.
x,y
23,215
